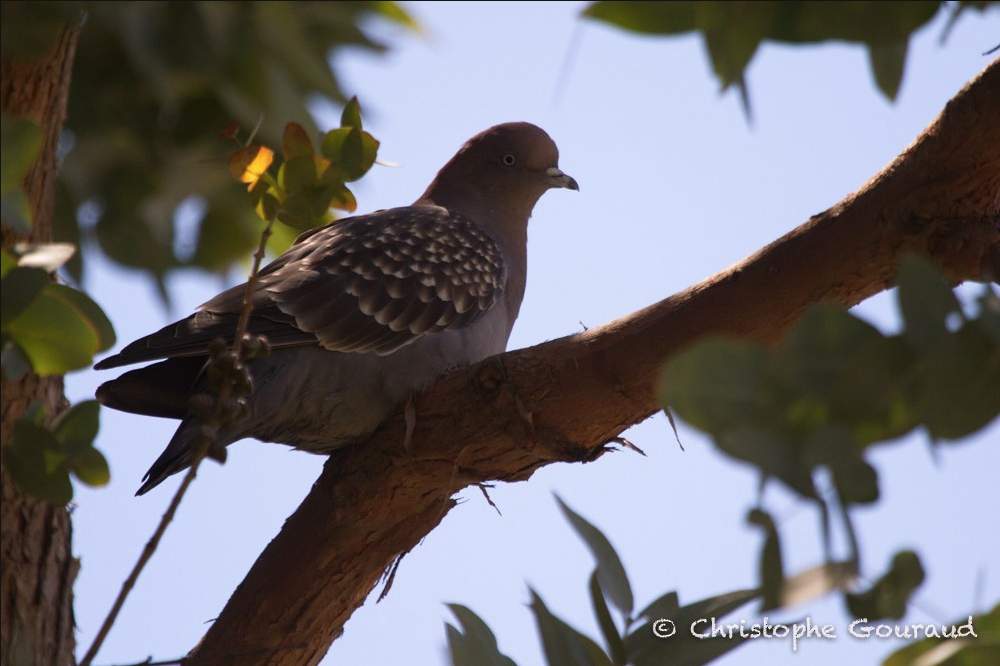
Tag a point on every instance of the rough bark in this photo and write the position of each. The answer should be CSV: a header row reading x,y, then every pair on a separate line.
x,y
36,604
562,401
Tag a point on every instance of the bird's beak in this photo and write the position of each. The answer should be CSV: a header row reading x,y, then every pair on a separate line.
x,y
557,178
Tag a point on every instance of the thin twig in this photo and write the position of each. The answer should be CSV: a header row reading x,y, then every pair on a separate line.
x,y
199,455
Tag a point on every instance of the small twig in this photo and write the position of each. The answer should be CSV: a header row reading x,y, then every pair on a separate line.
x,y
148,661
673,424
199,455
482,488
626,444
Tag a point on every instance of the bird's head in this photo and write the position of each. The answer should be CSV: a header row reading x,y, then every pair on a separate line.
x,y
501,171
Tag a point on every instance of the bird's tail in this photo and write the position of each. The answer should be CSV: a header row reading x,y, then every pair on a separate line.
x,y
178,455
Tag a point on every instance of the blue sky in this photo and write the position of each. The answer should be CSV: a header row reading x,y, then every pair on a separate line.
x,y
675,186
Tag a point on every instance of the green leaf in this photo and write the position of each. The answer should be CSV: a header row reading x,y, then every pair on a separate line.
x,y
61,330
295,142
646,648
717,384
664,18
36,463
53,335
666,605
77,427
22,139
297,173
887,62
925,301
959,387
352,150
90,466
773,454
564,645
18,289
351,117
981,651
613,640
772,570
610,570
475,645
856,482
92,314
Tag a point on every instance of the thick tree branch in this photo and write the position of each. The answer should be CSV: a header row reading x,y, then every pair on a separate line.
x,y
563,400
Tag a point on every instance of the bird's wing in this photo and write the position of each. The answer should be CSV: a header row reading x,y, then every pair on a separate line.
x,y
364,284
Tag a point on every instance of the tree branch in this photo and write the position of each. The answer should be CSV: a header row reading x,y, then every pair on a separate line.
x,y
563,400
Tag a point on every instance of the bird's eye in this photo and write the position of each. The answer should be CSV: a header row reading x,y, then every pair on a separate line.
x,y
508,159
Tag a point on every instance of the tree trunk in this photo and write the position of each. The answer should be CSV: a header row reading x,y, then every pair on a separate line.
x,y
36,605
564,400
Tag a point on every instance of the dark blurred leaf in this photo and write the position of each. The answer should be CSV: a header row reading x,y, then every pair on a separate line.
x,y
733,30
153,81
297,173
564,645
18,289
36,463
610,570
28,31
90,466
15,363
857,482
475,645
227,234
772,454
21,141
645,648
612,639
717,383
959,390
16,211
925,300
666,605
888,597
887,62
77,426
772,570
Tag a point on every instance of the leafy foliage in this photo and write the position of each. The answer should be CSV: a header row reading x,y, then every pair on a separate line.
x,y
733,31
831,389
140,143
40,459
663,636
45,326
